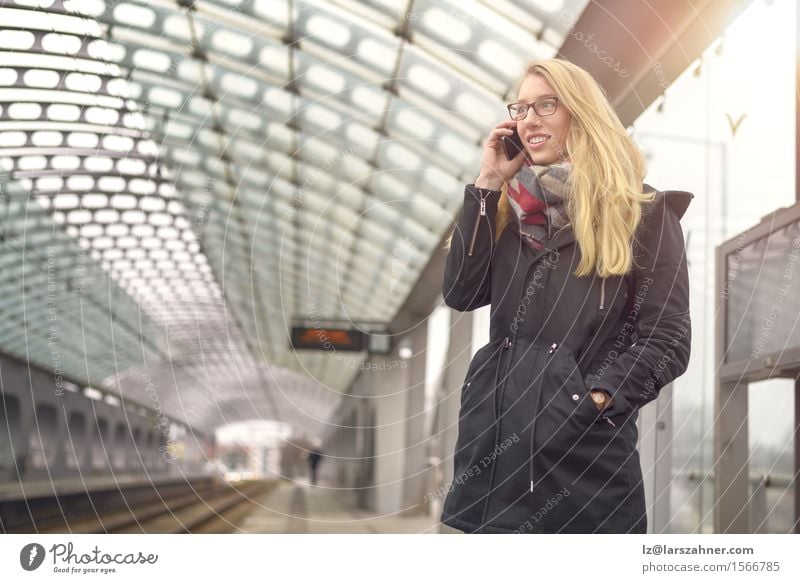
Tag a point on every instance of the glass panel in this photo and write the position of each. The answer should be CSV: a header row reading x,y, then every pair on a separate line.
x,y
707,136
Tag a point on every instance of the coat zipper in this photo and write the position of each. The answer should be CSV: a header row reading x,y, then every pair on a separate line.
x,y
602,307
537,394
509,343
505,345
537,389
481,213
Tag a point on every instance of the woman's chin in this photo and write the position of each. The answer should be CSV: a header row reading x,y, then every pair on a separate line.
x,y
541,158
545,157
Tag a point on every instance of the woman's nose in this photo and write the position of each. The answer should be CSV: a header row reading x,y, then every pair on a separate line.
x,y
532,120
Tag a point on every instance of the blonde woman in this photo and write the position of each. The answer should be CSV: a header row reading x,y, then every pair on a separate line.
x,y
585,270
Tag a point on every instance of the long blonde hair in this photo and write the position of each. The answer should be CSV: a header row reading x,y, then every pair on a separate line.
x,y
607,171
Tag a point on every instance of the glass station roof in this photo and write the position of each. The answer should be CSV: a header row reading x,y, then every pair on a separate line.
x,y
184,179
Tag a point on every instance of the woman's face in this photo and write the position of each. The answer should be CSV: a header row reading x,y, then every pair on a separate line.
x,y
552,127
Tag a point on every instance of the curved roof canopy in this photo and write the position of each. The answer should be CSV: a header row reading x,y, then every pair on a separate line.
x,y
184,179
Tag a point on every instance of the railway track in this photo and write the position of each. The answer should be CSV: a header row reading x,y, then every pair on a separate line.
x,y
208,507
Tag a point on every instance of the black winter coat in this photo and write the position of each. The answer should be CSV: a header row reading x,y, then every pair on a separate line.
x,y
534,454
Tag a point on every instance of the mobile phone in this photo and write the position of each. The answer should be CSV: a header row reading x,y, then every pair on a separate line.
x,y
512,145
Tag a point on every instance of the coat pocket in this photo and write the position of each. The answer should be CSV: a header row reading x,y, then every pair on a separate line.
x,y
565,401
477,389
568,377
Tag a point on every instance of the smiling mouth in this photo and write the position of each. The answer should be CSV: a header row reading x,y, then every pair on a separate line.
x,y
538,140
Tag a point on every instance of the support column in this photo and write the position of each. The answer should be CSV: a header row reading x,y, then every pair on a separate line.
x,y
655,456
459,354
416,450
387,389
731,469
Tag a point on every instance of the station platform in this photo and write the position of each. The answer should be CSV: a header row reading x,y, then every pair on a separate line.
x,y
301,508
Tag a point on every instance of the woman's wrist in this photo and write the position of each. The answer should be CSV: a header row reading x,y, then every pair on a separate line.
x,y
490,182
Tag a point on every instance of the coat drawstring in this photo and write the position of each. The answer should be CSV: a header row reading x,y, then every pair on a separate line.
x,y
602,294
536,398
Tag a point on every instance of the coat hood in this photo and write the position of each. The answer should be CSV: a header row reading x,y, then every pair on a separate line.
x,y
678,200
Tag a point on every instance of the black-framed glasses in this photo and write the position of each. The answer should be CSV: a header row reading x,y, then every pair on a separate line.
x,y
541,107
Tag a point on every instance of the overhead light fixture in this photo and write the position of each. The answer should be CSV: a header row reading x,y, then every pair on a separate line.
x,y
404,349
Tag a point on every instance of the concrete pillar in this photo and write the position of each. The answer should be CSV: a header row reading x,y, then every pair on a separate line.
x,y
731,449
366,457
759,512
459,354
416,449
655,455
387,389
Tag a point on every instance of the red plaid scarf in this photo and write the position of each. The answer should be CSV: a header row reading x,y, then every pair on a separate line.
x,y
537,194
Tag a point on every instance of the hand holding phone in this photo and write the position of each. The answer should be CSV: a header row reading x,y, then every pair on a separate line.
x,y
496,166
512,145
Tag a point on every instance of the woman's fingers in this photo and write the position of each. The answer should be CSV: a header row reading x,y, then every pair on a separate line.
x,y
494,161
501,132
502,129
